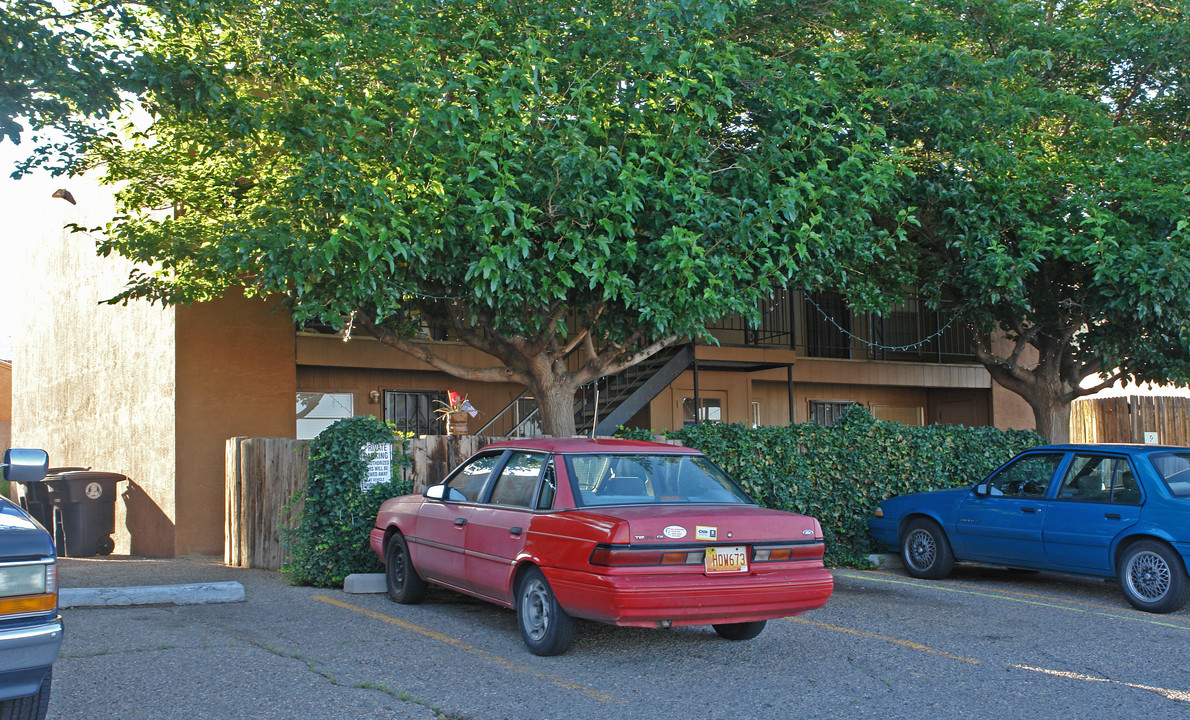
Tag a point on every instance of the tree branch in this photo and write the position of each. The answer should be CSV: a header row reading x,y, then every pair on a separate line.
x,y
463,372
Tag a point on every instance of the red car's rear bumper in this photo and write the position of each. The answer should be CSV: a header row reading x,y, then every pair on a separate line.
x,y
648,600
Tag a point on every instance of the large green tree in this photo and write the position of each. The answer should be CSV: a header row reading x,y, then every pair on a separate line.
x,y
64,65
568,188
1050,179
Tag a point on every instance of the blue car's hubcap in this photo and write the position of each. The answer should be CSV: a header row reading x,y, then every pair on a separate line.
x,y
922,549
1148,576
535,609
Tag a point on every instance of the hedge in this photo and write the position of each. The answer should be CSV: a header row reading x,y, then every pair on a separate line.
x,y
838,473
330,540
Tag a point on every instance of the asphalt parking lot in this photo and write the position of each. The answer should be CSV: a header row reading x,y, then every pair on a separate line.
x,y
983,643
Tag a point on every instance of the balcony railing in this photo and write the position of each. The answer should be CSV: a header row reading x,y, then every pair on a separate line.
x,y
828,328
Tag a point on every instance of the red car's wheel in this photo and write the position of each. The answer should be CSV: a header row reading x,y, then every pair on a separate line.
x,y
404,584
545,626
740,631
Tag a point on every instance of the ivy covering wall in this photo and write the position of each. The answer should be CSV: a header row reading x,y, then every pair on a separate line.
x,y
838,473
336,514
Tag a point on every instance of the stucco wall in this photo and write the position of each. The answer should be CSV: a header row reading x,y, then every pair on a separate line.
x,y
236,377
95,382
5,404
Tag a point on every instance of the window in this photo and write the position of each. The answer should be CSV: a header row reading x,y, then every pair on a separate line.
x,y
824,412
317,411
904,414
711,410
1094,478
548,488
413,412
636,479
1174,469
1026,477
517,483
471,478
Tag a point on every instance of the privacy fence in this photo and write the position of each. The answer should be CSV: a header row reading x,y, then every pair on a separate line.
x,y
1161,419
265,475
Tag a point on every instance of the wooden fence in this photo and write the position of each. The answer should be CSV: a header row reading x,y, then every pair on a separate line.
x,y
263,475
1130,419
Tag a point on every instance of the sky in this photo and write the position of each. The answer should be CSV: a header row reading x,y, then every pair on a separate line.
x,y
14,232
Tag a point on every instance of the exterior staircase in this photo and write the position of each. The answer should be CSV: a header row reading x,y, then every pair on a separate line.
x,y
606,404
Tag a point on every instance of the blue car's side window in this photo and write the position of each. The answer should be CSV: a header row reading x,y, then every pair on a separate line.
x,y
1100,479
1026,477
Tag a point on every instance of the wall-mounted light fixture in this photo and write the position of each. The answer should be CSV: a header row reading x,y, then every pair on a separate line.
x,y
375,396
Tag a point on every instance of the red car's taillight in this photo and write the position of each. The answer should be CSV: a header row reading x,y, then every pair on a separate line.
x,y
784,553
608,555
626,556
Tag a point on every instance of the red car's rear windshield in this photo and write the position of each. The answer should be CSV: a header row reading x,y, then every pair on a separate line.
x,y
1174,469
631,479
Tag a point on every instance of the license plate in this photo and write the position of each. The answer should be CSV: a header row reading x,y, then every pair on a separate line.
x,y
726,559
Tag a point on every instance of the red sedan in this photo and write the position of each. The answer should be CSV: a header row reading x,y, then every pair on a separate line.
x,y
616,531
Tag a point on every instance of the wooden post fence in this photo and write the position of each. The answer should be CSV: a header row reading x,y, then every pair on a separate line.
x,y
1129,419
264,474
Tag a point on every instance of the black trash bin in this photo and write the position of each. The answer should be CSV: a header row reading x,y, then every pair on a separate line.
x,y
34,498
84,503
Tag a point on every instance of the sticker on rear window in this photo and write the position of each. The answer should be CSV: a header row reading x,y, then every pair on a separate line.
x,y
702,532
675,531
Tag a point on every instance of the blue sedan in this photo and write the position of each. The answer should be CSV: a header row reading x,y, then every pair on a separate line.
x,y
1118,511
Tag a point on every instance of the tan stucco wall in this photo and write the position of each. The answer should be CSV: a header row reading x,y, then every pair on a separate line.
x,y
5,404
148,392
235,377
95,383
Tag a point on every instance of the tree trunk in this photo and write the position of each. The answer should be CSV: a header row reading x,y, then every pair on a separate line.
x,y
1052,418
555,405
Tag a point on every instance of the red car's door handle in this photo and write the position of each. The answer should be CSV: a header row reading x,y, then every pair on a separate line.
x,y
1112,516
1028,509
460,521
515,530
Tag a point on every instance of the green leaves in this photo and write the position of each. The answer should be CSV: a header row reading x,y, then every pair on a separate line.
x,y
638,170
839,473
336,515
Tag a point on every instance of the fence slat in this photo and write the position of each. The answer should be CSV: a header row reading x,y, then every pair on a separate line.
x,y
1127,419
263,474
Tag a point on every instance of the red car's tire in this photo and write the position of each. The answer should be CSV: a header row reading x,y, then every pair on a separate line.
x,y
740,631
402,581
545,627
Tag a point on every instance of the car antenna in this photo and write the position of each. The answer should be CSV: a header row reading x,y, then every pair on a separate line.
x,y
595,417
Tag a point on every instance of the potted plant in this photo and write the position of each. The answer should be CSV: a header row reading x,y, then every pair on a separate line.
x,y
455,410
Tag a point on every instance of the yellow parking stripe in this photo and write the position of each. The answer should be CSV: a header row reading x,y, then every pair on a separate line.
x,y
1022,597
896,641
455,642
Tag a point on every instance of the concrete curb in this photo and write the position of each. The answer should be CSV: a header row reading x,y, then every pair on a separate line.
x,y
359,583
886,561
193,594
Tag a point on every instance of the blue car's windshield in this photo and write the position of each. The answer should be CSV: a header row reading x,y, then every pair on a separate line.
x,y
1174,469
634,479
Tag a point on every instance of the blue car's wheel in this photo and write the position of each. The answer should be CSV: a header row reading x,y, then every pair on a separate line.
x,y
925,550
1153,577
